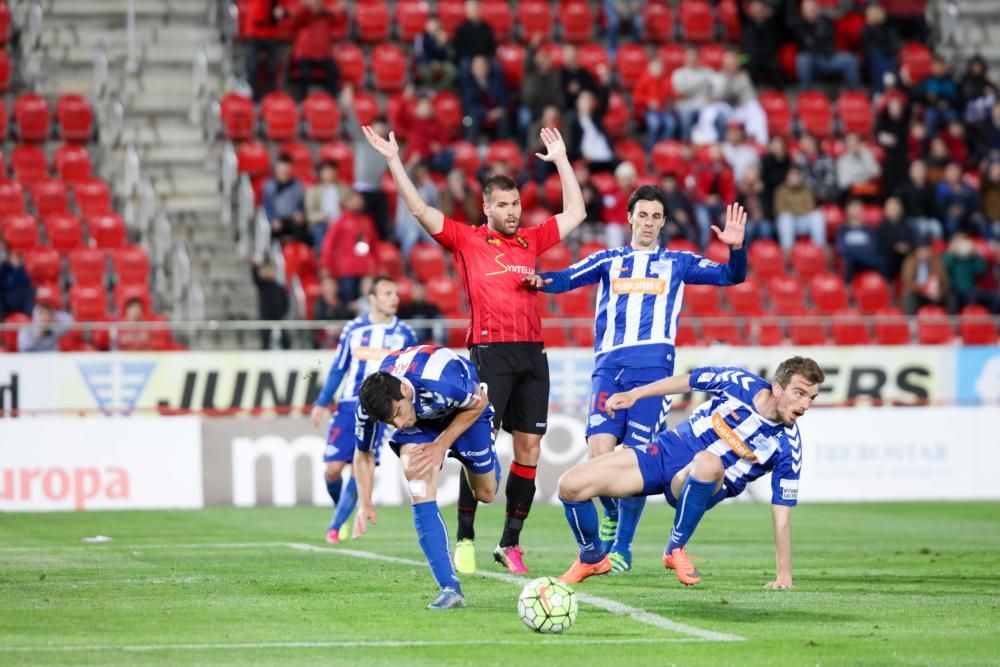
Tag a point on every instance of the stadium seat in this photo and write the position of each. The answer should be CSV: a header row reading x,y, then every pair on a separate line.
x,y
499,16
76,118
657,22
779,112
31,114
729,20
448,111
10,335
726,330
29,163
576,303
20,232
299,260
785,295
388,259
806,332
280,116
411,17
555,258
466,157
5,75
933,326
702,300
629,150
43,265
511,58
554,335
769,333
616,117
630,61
766,258
372,20
11,197
593,57
583,335
915,58
745,299
239,118
86,266
828,293
815,113
366,107
88,303
833,215
322,116
49,197
92,197
340,154
672,56
891,327
848,328
976,326
131,265
854,112
808,259
64,232
389,68
351,62
589,248
532,217
125,293
302,163
107,231
444,293
717,251
253,158
605,183
72,163
696,21
535,19
504,151
4,120
577,21
711,55
426,261
668,158
451,13
552,192
871,292
787,54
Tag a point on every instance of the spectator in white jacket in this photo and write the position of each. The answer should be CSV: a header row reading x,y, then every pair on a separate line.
x,y
734,100
693,86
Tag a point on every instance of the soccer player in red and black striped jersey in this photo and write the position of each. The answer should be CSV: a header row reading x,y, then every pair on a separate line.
x,y
505,333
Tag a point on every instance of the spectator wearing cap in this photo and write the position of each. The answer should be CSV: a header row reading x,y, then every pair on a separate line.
x,y
817,51
47,328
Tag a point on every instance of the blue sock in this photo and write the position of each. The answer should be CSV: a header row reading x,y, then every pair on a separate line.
x,y
333,488
691,506
433,538
610,507
582,519
348,499
629,513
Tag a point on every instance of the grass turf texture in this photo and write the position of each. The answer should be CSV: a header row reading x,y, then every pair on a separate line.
x,y
875,584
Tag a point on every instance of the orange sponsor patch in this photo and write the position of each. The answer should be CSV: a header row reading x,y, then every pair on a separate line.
x,y
733,441
638,286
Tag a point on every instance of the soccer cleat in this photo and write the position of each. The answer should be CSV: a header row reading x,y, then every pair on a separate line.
x,y
511,558
609,528
465,557
448,598
678,561
580,570
620,563
333,536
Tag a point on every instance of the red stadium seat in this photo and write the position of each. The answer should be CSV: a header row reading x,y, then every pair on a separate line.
x,y
253,158
583,335
107,231
340,154
86,266
657,22
29,163
529,195
915,58
769,333
131,265
629,150
389,68
504,151
5,74
411,17
668,158
299,260
833,215
815,113
745,298
4,23
239,118
4,120
616,117
72,163
976,326
448,111
696,21
828,293
466,157
683,245
499,16
31,113
592,57
366,107
49,197
779,112
280,115
552,192
11,198
427,261
76,118
20,232
322,116
847,31
65,232
729,20
125,293
672,56
451,14
372,20
854,111
806,332
577,21
532,217
766,259
871,292
43,265
604,182
576,303
717,251
535,19
88,303
388,259
848,328
92,197
555,258
630,61
726,330
891,327
808,259
511,57
302,164
703,300
588,249
933,326
444,293
711,55
785,293
351,63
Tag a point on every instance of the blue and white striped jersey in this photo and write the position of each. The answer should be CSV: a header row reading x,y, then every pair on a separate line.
x,y
639,299
362,335
749,444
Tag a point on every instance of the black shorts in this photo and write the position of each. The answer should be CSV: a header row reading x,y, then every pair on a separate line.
x,y
517,376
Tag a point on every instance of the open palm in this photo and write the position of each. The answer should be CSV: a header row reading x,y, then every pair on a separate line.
x,y
735,228
555,147
387,148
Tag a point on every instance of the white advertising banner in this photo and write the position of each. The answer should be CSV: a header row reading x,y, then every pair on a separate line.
x,y
53,464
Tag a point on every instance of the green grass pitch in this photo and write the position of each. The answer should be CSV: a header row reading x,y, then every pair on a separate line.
x,y
877,584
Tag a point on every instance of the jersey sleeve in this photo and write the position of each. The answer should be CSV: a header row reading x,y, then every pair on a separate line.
x,y
585,272
544,235
456,390
365,430
702,271
409,336
337,369
785,476
714,379
452,234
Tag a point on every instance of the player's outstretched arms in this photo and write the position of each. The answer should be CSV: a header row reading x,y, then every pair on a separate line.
x,y
735,228
363,469
574,210
782,515
429,217
537,282
676,384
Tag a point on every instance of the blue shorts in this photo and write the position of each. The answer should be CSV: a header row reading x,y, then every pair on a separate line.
x,y
342,439
637,425
474,448
660,461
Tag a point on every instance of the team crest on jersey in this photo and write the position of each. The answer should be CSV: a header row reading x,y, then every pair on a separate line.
x,y
658,267
522,241
492,240
394,341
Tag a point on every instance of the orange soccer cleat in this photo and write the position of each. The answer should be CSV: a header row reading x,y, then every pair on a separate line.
x,y
678,561
580,570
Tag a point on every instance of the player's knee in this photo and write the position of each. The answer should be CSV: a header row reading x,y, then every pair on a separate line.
x,y
572,487
485,495
333,472
708,466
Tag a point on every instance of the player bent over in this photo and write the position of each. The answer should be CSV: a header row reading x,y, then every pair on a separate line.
x,y
433,398
747,429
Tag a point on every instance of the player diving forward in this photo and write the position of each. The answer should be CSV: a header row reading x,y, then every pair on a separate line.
x,y
434,399
363,343
641,287
747,429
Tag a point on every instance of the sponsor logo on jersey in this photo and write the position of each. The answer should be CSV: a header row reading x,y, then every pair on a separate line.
x,y
706,263
729,437
509,268
640,427
789,489
494,241
597,420
638,286
705,377
522,241
659,266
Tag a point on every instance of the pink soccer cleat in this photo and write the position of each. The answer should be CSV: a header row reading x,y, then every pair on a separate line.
x,y
511,558
333,536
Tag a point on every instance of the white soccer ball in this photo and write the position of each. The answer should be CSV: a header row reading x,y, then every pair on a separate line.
x,y
547,605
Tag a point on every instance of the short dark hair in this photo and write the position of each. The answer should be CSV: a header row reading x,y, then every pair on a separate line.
x,y
803,366
327,164
128,304
498,182
380,279
285,157
377,394
646,193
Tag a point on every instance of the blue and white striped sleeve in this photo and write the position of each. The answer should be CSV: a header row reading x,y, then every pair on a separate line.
x,y
787,470
365,430
713,379
585,272
702,271
338,369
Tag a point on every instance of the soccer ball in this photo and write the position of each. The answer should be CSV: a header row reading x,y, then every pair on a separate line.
x,y
547,605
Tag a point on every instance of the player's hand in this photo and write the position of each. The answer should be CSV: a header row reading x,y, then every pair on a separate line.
x,y
426,458
386,148
555,147
319,415
365,514
736,224
779,584
535,281
619,402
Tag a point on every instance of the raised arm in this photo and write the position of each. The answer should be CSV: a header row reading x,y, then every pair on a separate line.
x,y
363,469
430,456
782,515
574,210
585,272
429,217
676,384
